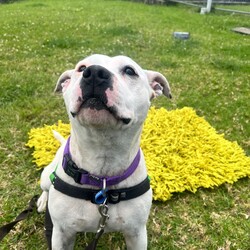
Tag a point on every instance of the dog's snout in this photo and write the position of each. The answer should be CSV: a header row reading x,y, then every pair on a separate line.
x,y
95,81
96,74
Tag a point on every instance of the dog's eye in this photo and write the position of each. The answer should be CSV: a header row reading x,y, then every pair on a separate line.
x,y
129,71
82,68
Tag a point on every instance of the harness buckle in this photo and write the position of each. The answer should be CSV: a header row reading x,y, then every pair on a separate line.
x,y
116,197
52,177
72,170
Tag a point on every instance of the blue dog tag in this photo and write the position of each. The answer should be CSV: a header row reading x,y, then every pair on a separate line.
x,y
101,196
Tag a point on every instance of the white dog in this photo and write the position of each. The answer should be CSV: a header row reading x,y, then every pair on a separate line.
x,y
98,178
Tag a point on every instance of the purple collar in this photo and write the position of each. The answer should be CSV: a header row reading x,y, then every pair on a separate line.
x,y
81,176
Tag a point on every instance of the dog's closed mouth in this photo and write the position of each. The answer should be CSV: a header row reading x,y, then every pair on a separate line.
x,y
94,103
97,104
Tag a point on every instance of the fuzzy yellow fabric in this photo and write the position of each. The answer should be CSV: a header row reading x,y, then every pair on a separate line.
x,y
44,143
182,152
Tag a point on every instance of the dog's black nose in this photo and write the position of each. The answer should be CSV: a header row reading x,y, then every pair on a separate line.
x,y
94,83
97,76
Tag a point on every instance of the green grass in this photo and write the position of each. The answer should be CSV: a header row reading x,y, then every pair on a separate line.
x,y
242,7
209,72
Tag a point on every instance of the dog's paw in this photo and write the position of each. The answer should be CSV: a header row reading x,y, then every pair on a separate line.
x,y
42,201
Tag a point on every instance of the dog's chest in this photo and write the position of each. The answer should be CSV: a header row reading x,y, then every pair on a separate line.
x,y
81,215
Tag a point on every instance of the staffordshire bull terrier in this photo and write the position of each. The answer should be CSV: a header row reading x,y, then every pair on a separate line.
x,y
98,180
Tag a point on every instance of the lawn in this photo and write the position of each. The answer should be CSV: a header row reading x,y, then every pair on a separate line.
x,y
209,72
245,8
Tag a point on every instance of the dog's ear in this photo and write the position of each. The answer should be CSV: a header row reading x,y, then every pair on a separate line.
x,y
158,83
63,81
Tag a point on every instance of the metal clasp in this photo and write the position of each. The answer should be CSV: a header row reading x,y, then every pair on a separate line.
x,y
103,210
103,207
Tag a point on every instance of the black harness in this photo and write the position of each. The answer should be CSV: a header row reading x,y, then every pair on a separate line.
x,y
113,195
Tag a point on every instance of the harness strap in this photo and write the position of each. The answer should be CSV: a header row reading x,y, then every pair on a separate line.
x,y
113,195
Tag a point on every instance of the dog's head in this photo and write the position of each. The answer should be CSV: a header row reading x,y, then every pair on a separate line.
x,y
110,91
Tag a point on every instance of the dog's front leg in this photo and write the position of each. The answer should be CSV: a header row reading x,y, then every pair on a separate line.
x,y
62,239
136,240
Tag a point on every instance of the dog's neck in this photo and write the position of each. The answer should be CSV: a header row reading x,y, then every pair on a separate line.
x,y
104,151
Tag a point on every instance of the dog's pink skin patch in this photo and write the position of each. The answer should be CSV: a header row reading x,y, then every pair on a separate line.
x,y
112,95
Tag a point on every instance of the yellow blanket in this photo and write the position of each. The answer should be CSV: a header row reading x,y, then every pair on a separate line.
x,y
182,151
